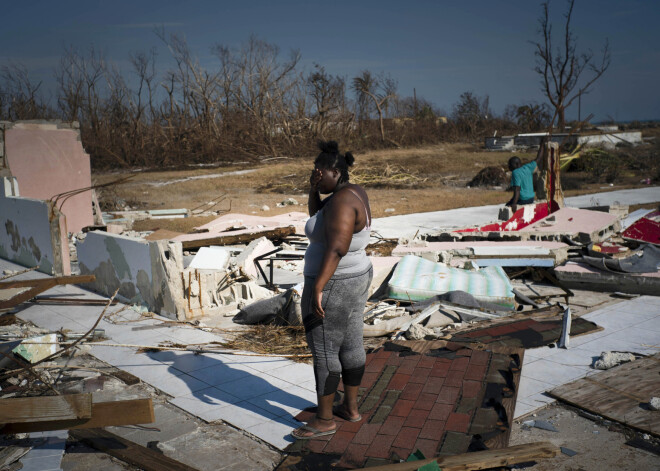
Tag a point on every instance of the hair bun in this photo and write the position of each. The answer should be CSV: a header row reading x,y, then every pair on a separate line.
x,y
349,159
329,147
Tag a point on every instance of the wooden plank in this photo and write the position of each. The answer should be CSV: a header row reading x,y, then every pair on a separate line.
x,y
45,408
104,414
481,459
59,280
229,239
129,452
618,393
23,296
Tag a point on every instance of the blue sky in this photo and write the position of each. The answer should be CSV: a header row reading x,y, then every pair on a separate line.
x,y
440,48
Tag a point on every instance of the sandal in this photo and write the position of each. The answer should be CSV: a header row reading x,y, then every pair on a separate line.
x,y
315,432
340,412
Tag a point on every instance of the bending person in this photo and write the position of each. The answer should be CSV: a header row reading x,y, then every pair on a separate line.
x,y
522,182
338,274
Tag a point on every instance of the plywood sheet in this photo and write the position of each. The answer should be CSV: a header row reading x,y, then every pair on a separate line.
x,y
620,394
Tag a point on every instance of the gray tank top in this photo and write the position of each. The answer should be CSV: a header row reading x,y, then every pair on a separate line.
x,y
354,262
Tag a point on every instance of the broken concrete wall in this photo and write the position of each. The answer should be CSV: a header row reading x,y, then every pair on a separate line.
x,y
32,232
47,159
145,273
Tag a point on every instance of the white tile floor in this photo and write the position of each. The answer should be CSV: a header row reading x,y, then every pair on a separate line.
x,y
632,326
259,394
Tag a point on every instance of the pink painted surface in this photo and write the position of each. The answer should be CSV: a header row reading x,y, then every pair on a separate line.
x,y
48,161
571,221
515,223
252,224
460,245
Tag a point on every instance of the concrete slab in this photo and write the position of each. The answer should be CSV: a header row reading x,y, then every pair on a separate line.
x,y
583,276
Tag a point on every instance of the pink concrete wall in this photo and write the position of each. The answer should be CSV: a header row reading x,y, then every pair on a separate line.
x,y
48,161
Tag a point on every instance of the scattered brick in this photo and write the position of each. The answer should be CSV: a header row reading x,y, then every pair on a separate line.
x,y
366,434
406,438
441,411
408,367
380,447
394,359
339,442
448,395
426,362
392,425
383,354
432,429
475,372
479,357
375,366
402,408
416,418
441,369
464,352
458,422
471,388
454,378
499,331
460,364
353,457
316,446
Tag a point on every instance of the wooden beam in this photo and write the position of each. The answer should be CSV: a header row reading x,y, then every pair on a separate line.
x,y
481,459
46,408
229,239
129,452
104,414
38,286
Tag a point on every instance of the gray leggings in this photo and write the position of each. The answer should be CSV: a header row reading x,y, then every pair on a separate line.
x,y
336,340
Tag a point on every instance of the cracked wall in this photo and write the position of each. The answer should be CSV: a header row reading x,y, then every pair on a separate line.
x,y
32,232
144,273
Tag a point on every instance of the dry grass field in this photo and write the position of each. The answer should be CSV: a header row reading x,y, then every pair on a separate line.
x,y
400,181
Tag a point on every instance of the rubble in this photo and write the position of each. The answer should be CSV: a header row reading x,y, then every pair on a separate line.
x,y
609,360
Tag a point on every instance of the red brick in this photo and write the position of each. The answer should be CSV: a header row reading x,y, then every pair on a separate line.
x,y
441,411
353,457
376,365
458,422
398,382
479,357
382,353
416,418
412,391
433,385
408,365
398,454
305,416
420,375
448,395
366,434
475,372
471,388
432,429
464,352
454,378
354,427
368,380
543,326
406,438
428,447
316,446
380,447
394,360
392,425
339,442
440,369
370,356
426,401
426,361
402,408
497,331
460,364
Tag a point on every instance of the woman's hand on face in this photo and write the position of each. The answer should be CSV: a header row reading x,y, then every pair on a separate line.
x,y
317,301
315,179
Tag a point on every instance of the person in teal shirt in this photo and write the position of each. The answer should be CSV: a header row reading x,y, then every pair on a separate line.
x,y
522,182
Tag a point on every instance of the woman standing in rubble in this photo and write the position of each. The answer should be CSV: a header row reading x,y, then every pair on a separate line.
x,y
338,274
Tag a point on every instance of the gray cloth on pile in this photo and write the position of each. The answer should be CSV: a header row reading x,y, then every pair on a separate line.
x,y
644,260
279,310
461,298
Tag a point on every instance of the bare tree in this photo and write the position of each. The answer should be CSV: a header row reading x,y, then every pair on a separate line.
x,y
20,94
328,94
562,68
471,112
379,89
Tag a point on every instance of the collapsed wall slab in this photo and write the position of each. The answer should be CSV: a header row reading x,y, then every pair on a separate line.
x,y
32,232
147,273
47,159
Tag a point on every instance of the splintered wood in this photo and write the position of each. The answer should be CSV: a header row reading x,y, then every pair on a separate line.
x,y
621,393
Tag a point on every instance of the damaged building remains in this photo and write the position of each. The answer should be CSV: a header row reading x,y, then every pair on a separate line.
x,y
470,329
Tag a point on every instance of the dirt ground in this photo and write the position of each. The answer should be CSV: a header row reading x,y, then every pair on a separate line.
x,y
400,181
